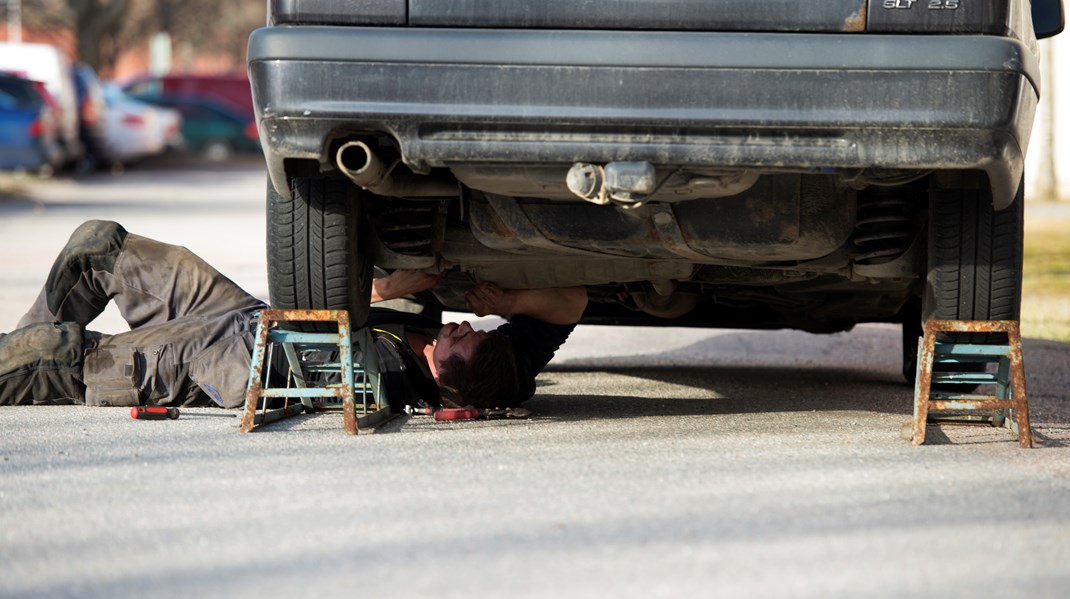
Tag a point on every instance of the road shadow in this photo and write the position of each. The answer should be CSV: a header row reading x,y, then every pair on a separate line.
x,y
791,371
727,390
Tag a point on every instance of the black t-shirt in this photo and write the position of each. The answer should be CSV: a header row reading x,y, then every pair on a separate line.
x,y
405,374
409,380
534,343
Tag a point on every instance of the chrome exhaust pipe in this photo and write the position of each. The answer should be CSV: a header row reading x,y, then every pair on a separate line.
x,y
358,162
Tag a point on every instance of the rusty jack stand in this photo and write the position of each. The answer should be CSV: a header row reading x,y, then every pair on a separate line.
x,y
1009,405
332,354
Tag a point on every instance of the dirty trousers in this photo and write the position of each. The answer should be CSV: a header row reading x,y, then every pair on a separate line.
x,y
191,328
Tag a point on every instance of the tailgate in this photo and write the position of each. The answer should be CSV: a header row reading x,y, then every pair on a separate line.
x,y
813,16
703,15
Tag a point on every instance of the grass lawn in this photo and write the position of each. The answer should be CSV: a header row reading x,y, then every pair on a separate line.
x,y
1046,279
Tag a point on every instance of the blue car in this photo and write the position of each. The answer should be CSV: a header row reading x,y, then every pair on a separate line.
x,y
28,134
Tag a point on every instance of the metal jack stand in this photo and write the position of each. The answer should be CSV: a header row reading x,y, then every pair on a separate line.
x,y
1009,405
311,359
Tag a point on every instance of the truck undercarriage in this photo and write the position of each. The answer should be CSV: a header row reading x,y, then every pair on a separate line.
x,y
716,165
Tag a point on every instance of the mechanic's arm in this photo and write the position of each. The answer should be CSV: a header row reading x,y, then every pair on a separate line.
x,y
555,305
401,283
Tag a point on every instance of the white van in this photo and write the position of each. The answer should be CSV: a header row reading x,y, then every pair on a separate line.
x,y
49,65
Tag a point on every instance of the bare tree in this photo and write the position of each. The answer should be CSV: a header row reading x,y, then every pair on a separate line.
x,y
92,21
41,16
1047,180
104,29
195,26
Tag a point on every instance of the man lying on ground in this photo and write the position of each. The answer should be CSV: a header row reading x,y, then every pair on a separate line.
x,y
191,332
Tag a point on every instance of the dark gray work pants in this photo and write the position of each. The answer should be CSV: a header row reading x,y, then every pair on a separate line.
x,y
190,325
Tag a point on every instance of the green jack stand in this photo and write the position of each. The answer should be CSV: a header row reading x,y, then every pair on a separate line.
x,y
1007,407
313,360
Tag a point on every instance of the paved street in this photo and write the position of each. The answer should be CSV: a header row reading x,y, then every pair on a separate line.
x,y
658,463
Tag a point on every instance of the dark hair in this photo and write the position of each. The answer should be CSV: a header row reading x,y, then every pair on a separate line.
x,y
489,380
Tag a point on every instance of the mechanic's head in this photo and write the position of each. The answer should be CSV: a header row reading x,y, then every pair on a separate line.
x,y
475,368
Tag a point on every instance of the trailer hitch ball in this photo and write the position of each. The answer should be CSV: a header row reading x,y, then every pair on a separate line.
x,y
623,183
588,182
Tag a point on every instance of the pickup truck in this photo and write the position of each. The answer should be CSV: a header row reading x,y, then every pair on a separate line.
x,y
699,163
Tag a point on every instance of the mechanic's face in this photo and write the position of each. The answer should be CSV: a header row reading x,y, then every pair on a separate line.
x,y
457,340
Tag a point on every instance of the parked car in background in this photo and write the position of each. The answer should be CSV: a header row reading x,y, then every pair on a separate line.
x,y
134,130
210,128
49,65
91,107
28,132
231,91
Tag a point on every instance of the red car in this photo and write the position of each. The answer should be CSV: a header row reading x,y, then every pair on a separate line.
x,y
231,90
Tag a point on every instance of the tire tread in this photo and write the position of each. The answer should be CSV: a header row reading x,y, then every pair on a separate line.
x,y
314,258
975,260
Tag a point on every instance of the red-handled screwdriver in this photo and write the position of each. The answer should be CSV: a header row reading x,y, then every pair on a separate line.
x,y
153,413
456,414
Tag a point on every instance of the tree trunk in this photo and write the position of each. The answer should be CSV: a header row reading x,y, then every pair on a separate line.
x,y
93,19
1047,185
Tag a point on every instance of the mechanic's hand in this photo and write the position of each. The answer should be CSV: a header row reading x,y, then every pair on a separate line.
x,y
486,298
401,283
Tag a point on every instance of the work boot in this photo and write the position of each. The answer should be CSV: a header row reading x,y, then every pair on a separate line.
x,y
42,364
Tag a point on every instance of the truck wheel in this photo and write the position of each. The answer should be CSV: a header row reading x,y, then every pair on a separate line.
x,y
912,331
975,259
316,259
974,270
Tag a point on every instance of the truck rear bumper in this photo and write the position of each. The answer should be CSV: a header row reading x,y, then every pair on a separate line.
x,y
733,100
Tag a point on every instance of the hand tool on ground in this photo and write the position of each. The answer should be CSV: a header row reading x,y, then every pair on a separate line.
x,y
456,414
153,413
468,413
413,410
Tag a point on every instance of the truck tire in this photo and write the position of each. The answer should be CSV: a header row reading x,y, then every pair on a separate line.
x,y
975,259
912,331
974,269
316,259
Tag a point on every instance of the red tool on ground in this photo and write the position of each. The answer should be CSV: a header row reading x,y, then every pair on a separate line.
x,y
154,413
456,414
468,413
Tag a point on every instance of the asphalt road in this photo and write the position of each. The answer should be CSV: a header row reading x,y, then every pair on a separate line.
x,y
658,463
